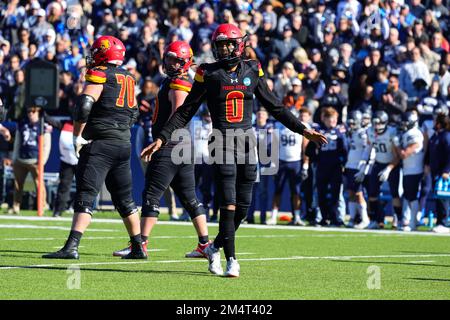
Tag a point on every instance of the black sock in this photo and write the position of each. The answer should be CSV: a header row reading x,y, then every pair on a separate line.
x,y
136,239
73,241
226,228
373,213
203,239
399,213
240,214
144,238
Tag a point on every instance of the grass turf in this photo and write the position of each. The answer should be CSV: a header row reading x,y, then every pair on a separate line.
x,y
292,263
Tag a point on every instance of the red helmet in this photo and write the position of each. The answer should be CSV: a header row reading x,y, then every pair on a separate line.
x,y
182,52
228,32
106,49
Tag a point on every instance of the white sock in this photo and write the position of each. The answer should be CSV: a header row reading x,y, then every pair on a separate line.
x,y
363,210
297,215
274,214
352,207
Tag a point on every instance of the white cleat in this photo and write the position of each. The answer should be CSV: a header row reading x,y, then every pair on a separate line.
x,y
233,268
362,225
271,222
213,255
441,229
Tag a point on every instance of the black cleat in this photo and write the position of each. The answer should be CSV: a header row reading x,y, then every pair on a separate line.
x,y
63,254
137,252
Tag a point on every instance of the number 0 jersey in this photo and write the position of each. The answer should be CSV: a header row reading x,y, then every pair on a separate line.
x,y
229,96
115,112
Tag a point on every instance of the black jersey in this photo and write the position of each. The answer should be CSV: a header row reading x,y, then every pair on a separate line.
x,y
114,113
163,106
229,98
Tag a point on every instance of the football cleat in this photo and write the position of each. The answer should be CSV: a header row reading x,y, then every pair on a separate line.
x,y
137,252
441,229
233,269
127,250
198,252
69,251
213,255
362,225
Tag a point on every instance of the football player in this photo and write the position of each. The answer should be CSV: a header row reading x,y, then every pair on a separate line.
x,y
383,140
412,154
104,114
291,146
162,171
229,86
356,169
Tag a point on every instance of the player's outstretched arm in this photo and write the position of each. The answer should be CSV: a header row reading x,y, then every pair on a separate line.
x,y
185,112
282,114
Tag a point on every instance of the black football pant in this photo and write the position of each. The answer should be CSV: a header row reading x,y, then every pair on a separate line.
x,y
105,161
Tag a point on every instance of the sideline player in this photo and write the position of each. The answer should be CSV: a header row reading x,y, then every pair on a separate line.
x,y
104,114
229,86
162,171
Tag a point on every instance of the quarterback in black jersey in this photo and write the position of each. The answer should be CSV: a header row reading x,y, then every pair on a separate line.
x,y
228,86
162,171
104,114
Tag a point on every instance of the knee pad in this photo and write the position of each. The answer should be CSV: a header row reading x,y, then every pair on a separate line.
x,y
83,207
150,210
126,212
194,208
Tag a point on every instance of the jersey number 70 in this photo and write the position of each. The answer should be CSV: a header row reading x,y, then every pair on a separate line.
x,y
126,86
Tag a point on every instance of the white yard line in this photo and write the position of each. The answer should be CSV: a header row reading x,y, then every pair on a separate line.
x,y
74,263
244,226
30,226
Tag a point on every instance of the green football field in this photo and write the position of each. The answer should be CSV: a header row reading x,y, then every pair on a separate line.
x,y
276,263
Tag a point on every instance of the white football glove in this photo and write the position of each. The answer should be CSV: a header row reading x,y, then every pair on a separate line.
x,y
78,143
384,174
304,172
361,174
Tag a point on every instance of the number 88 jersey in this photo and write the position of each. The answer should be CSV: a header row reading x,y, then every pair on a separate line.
x,y
383,144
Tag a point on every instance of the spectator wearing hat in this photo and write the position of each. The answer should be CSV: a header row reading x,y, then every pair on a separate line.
x,y
108,25
329,39
285,17
266,35
333,98
25,154
314,87
285,46
42,27
412,71
119,15
295,98
282,84
47,42
351,8
321,16
243,21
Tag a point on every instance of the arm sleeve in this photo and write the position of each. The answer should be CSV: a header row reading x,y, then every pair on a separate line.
x,y
185,112
276,109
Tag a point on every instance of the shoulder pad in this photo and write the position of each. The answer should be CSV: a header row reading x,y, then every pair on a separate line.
x,y
199,74
96,75
180,84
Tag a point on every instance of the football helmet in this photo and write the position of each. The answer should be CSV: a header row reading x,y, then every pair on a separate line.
x,y
380,121
354,120
178,58
410,119
228,44
106,49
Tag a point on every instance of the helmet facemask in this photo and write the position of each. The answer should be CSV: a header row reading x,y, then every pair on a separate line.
x,y
229,51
